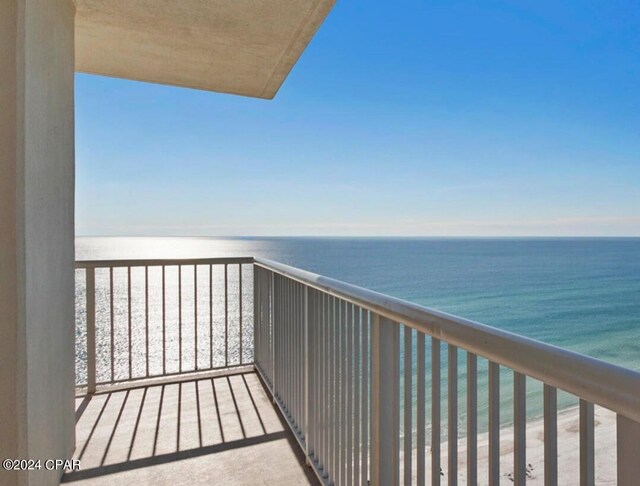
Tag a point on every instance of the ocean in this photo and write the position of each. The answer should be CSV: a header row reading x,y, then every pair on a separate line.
x,y
578,293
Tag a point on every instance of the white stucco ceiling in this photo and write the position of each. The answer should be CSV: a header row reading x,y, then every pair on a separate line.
x,y
244,47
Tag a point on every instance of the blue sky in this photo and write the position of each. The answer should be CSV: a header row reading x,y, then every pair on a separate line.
x,y
422,117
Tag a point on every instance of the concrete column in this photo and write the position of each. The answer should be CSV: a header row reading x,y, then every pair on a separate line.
x,y
36,235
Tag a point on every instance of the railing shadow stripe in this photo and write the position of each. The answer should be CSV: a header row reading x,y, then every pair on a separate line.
x,y
196,384
215,400
83,406
179,416
157,431
293,443
115,428
235,404
253,402
135,428
173,456
95,426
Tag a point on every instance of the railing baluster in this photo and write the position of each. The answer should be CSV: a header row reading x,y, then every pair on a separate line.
x,y
180,318
357,383
164,324
211,315
627,451
302,356
292,399
129,319
330,388
339,475
295,331
385,416
453,415
146,318
435,412
587,453
325,384
257,320
472,419
293,353
349,385
289,350
274,310
310,384
281,352
285,362
494,424
299,329
295,367
267,305
277,349
112,324
421,409
195,315
408,427
550,436
519,428
266,343
318,387
343,401
366,447
91,329
260,287
285,323
299,326
336,391
226,315
259,333
277,345
240,298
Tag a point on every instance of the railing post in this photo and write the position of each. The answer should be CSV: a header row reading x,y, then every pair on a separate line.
x,y
305,420
272,317
385,418
550,435
91,329
587,441
256,326
628,450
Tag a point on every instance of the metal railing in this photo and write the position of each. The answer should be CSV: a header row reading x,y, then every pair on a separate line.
x,y
141,319
357,374
340,363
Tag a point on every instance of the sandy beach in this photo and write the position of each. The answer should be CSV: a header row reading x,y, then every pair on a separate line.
x,y
568,451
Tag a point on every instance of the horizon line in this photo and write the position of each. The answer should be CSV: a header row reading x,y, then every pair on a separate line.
x,y
357,236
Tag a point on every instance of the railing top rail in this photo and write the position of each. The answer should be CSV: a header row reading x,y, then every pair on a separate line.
x,y
161,262
602,383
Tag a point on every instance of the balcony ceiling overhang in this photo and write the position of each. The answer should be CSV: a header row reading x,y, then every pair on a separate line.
x,y
244,47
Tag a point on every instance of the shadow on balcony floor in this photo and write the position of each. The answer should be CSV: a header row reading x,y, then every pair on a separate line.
x,y
221,430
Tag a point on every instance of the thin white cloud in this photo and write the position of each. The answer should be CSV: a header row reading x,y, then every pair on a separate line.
x,y
561,226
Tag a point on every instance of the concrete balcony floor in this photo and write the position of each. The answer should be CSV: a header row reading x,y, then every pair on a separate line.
x,y
221,430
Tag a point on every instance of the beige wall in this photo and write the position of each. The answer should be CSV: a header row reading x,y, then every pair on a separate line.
x,y
36,233
12,363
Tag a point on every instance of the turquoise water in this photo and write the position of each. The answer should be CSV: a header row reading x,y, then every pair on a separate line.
x,y
582,293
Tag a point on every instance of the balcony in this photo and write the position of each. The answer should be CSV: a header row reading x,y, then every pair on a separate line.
x,y
242,370
193,429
